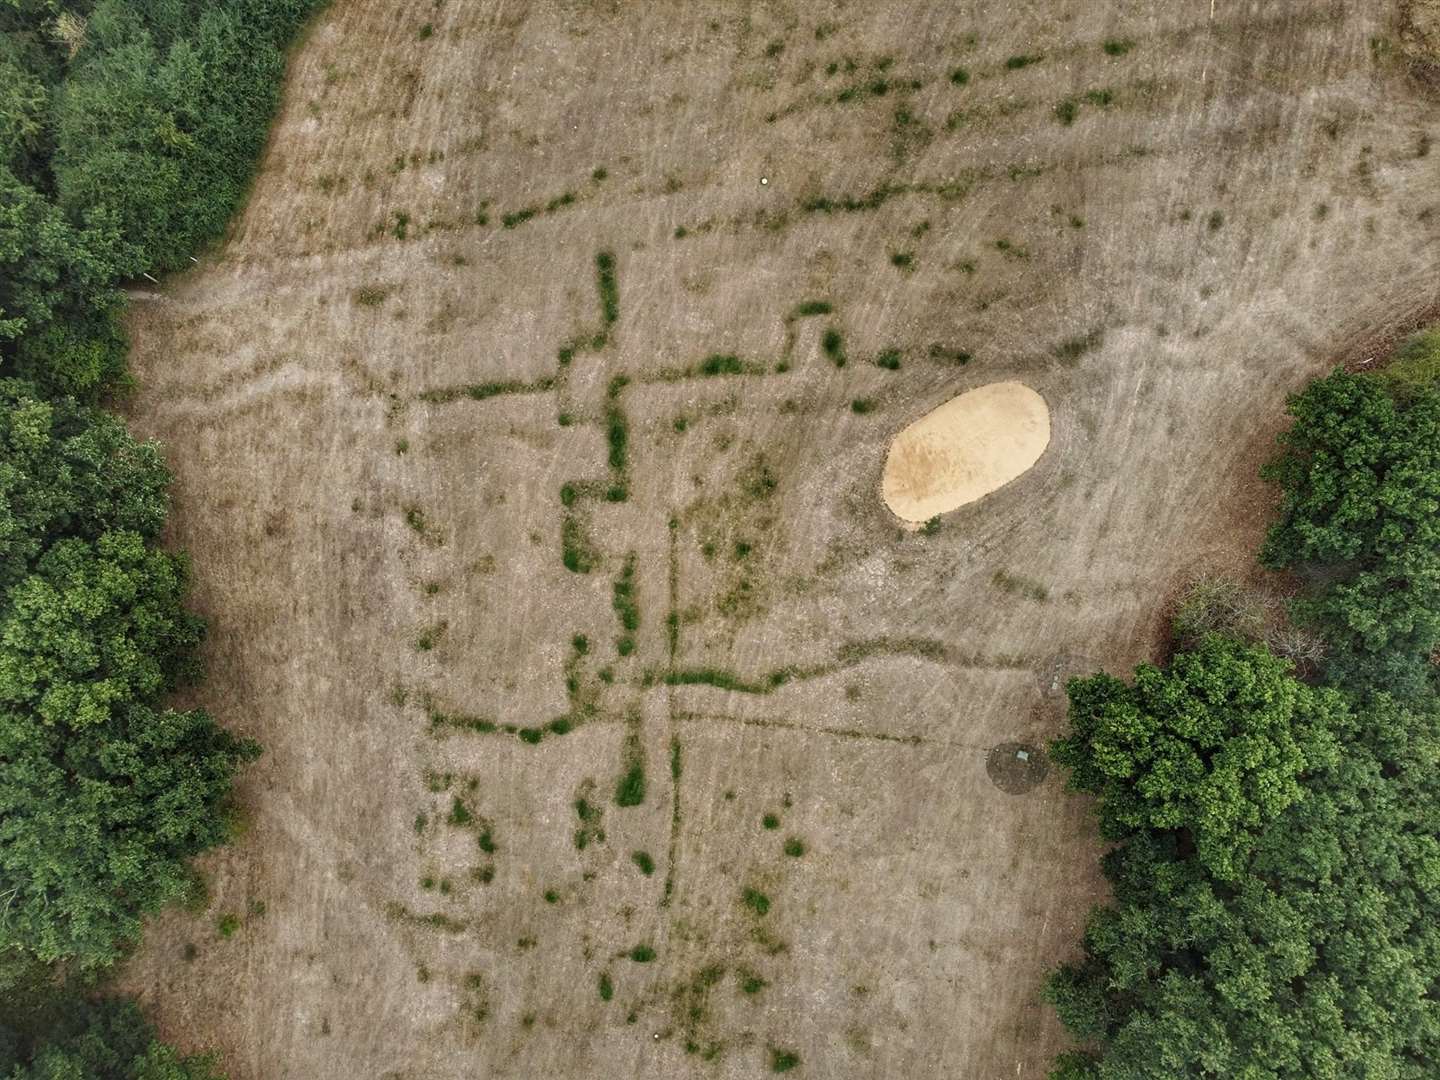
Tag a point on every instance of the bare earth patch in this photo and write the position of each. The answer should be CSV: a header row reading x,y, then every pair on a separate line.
x,y
965,449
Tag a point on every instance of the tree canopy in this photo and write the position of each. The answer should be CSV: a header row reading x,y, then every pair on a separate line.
x,y
1215,745
101,1040
1360,476
104,793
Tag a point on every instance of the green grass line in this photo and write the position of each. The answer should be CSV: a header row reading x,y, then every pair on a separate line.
x,y
487,390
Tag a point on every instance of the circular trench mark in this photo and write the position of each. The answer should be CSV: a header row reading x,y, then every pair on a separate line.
x,y
1016,768
965,449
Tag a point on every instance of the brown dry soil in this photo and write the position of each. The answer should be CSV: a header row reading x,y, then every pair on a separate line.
x,y
389,401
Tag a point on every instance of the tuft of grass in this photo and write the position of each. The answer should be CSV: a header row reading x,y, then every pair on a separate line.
x,y
1067,111
902,260
752,984
370,295
770,821
599,175
931,526
1022,60
607,988
575,550
721,364
460,814
1072,349
427,31
959,76
630,791
862,406
1102,98
1117,46
794,847
813,307
643,860
943,354
1215,222
783,1060
1020,586
227,924
608,286
889,360
641,954
756,901
834,346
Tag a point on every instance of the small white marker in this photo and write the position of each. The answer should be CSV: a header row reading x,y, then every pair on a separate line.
x,y
764,180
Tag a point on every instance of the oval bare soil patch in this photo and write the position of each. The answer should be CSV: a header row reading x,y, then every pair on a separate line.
x,y
965,449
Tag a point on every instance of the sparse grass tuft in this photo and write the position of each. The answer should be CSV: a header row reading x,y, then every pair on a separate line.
x,y
783,1060
813,307
770,821
889,360
1072,349
756,901
607,988
862,406
370,295
794,847
1022,60
609,289
834,346
903,260
1117,46
959,76
641,954
643,860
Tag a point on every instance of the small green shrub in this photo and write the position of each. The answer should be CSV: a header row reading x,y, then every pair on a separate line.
x,y
756,901
642,954
959,76
227,924
1117,46
607,988
862,406
1023,60
1066,111
813,307
721,364
834,346
903,260
643,860
794,847
770,821
889,360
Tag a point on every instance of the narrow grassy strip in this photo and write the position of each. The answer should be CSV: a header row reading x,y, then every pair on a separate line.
x,y
487,390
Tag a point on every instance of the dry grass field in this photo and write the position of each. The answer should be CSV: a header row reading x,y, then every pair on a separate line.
x,y
528,434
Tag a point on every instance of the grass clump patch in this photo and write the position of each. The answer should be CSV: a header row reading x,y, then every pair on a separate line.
x,y
834,345
644,861
1022,60
608,287
756,901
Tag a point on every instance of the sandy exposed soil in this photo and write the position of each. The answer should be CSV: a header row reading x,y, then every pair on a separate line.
x,y
965,449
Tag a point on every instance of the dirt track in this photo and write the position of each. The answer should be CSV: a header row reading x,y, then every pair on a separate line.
x,y
392,424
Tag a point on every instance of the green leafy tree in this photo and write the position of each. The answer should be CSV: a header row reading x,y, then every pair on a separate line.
x,y
1360,475
102,1040
1323,961
103,793
1213,746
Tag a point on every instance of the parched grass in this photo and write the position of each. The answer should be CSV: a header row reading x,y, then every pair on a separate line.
x,y
945,354
1018,585
1415,366
370,295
